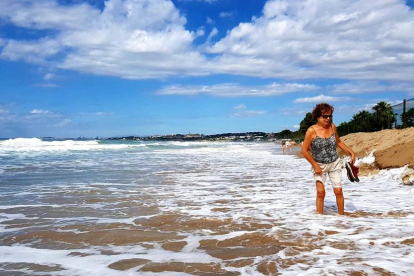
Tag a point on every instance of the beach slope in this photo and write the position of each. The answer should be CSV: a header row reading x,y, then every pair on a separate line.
x,y
393,148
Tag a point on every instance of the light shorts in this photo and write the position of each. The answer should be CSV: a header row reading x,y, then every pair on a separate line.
x,y
334,170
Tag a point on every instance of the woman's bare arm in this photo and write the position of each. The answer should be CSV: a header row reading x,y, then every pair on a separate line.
x,y
342,145
305,151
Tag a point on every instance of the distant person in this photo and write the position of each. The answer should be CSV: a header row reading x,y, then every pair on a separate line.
x,y
283,146
288,145
323,140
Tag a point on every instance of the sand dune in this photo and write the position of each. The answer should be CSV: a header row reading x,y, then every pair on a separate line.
x,y
392,148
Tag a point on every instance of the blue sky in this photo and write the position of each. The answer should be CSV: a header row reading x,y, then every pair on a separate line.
x,y
72,68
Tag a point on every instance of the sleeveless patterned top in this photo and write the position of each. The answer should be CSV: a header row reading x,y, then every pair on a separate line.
x,y
324,149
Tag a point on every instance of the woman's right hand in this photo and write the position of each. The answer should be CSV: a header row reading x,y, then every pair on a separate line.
x,y
352,157
317,169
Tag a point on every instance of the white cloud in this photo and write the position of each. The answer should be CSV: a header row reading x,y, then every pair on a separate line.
x,y
3,111
241,106
36,14
296,126
209,21
321,98
293,111
50,85
349,39
200,32
36,121
226,14
371,87
39,111
63,123
32,51
49,76
236,90
130,39
354,109
247,113
294,39
100,113
104,113
212,34
347,109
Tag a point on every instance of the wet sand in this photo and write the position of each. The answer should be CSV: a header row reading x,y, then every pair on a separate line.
x,y
245,210
231,244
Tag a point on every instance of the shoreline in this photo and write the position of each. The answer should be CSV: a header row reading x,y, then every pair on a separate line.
x,y
220,209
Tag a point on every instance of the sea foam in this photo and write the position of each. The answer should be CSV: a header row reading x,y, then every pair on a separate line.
x,y
220,197
36,144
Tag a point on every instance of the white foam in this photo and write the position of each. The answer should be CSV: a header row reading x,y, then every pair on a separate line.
x,y
18,142
369,159
5,207
76,265
9,217
253,184
36,144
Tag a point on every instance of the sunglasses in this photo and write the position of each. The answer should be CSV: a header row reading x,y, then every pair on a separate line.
x,y
327,116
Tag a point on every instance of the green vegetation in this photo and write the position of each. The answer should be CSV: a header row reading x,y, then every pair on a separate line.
x,y
383,115
306,123
364,121
296,136
408,117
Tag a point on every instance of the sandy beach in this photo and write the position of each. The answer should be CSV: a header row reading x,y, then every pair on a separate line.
x,y
132,208
392,148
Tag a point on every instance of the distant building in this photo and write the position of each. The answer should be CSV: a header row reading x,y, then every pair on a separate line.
x,y
193,135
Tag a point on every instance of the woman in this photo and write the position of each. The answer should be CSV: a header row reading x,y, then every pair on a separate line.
x,y
322,138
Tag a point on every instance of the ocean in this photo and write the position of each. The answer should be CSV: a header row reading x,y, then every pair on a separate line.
x,y
192,208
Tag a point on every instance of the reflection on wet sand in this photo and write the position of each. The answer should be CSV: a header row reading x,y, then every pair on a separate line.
x,y
30,267
391,214
128,264
200,269
252,245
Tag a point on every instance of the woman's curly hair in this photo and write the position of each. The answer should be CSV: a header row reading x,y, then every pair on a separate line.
x,y
321,108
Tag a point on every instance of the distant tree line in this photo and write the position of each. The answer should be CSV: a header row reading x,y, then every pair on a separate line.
x,y
244,136
382,117
288,134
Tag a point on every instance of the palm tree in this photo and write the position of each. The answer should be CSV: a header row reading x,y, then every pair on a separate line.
x,y
362,121
384,114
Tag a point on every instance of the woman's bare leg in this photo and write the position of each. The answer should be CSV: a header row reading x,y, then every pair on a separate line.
x,y
320,197
340,201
